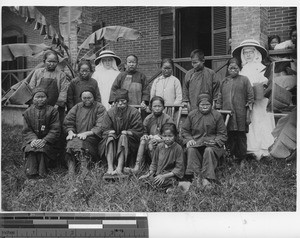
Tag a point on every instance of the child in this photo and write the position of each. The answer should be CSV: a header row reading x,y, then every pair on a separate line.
x,y
199,80
134,82
236,95
167,162
84,80
152,125
41,130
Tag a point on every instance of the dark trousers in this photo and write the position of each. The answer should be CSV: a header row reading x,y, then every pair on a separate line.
x,y
237,144
202,160
36,163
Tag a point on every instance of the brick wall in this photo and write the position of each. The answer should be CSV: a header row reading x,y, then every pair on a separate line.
x,y
248,23
281,20
143,19
258,23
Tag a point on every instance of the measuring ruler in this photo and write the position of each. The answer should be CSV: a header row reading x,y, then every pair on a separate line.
x,y
73,225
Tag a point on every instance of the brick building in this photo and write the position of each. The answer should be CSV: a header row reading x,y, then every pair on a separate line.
x,y
166,31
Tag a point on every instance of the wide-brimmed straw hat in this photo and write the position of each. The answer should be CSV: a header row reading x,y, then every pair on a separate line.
x,y
237,51
107,53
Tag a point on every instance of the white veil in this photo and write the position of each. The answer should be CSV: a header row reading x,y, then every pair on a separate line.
x,y
105,78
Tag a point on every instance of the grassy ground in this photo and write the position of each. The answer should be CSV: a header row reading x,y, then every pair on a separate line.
x,y
260,186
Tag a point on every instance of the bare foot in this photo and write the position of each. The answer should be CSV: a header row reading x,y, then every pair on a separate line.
x,y
109,171
128,170
206,184
117,171
184,186
170,190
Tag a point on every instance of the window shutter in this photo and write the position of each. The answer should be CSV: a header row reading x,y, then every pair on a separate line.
x,y
166,34
166,24
220,30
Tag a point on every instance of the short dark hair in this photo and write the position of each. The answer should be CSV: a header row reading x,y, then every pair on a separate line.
x,y
157,98
234,60
270,38
199,53
136,58
85,62
50,52
169,126
167,60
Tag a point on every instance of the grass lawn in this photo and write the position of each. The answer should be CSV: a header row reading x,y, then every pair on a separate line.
x,y
260,186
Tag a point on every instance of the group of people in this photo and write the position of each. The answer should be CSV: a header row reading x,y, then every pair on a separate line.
x,y
102,124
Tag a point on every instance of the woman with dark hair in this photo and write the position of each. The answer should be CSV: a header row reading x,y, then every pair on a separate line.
x,y
53,80
273,40
41,130
167,86
83,80
83,128
204,134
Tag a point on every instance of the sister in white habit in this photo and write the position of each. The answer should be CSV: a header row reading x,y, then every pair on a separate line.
x,y
105,74
259,137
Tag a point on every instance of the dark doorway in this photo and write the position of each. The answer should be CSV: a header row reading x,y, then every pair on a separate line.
x,y
193,31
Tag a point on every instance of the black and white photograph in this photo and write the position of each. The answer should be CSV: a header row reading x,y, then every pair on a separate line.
x,y
149,109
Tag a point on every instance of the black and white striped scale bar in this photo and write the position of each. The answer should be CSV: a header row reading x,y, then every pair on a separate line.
x,y
73,225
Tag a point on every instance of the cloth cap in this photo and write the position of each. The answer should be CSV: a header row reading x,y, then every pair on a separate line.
x,y
202,97
88,89
250,42
121,94
107,53
37,90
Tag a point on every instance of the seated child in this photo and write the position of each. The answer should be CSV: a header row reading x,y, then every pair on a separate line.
x,y
152,125
41,130
167,162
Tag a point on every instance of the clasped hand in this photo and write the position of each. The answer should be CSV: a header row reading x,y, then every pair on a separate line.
x,y
39,143
191,143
